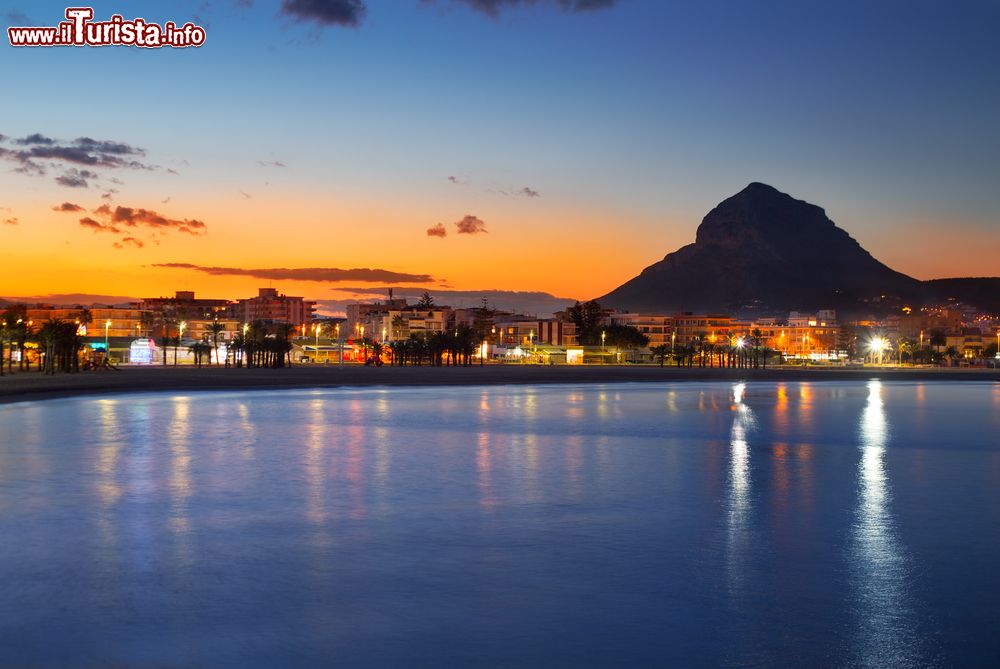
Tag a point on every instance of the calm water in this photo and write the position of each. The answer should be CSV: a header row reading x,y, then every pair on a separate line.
x,y
812,525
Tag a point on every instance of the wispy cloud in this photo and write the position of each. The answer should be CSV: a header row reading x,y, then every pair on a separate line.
x,y
77,159
271,163
344,13
74,178
129,242
13,220
320,274
139,217
67,206
97,226
494,7
437,231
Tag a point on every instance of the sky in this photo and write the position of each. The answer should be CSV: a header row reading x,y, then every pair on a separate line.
x,y
554,147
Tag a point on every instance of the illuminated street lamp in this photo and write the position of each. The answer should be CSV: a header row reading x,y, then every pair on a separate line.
x,y
340,344
317,328
878,346
107,328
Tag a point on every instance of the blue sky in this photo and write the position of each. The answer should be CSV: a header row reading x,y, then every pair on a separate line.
x,y
644,114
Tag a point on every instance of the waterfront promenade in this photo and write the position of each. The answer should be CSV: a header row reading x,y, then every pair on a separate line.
x,y
26,386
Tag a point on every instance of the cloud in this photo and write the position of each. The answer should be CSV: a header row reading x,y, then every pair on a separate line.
x,y
171,170
344,13
74,178
67,206
11,221
271,163
494,7
35,154
454,180
245,194
437,231
322,274
35,139
129,241
528,192
133,217
97,226
470,225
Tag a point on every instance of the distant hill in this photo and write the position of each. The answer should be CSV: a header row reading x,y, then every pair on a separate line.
x,y
763,250
983,292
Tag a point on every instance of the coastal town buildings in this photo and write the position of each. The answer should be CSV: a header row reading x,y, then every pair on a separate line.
x,y
270,306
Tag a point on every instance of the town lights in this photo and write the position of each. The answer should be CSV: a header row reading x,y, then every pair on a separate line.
x,y
740,343
107,328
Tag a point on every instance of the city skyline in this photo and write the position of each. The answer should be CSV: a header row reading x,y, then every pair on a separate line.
x,y
559,150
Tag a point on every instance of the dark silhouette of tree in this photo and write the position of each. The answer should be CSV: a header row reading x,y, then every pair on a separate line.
x,y
587,317
660,353
215,329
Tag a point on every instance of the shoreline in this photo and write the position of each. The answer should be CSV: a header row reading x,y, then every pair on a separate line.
x,y
34,386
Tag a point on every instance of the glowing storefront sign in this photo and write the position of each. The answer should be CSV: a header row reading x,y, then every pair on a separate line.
x,y
142,352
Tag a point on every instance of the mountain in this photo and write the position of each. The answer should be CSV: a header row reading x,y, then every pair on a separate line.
x,y
762,249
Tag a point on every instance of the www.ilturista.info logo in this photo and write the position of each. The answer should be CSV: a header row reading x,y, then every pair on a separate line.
x,y
81,30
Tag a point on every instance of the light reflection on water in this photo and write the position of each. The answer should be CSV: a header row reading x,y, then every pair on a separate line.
x,y
882,581
694,524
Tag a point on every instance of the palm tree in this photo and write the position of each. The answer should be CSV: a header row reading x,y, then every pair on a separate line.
x,y
904,346
952,354
215,329
85,317
660,352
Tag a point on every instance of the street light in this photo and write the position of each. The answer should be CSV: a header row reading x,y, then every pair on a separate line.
x,y
107,327
340,344
877,346
316,329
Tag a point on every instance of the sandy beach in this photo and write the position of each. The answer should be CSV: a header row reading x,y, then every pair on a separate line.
x,y
27,386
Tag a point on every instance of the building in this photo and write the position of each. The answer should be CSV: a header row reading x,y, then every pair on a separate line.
x,y
396,324
362,313
270,306
184,306
657,327
716,328
95,321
